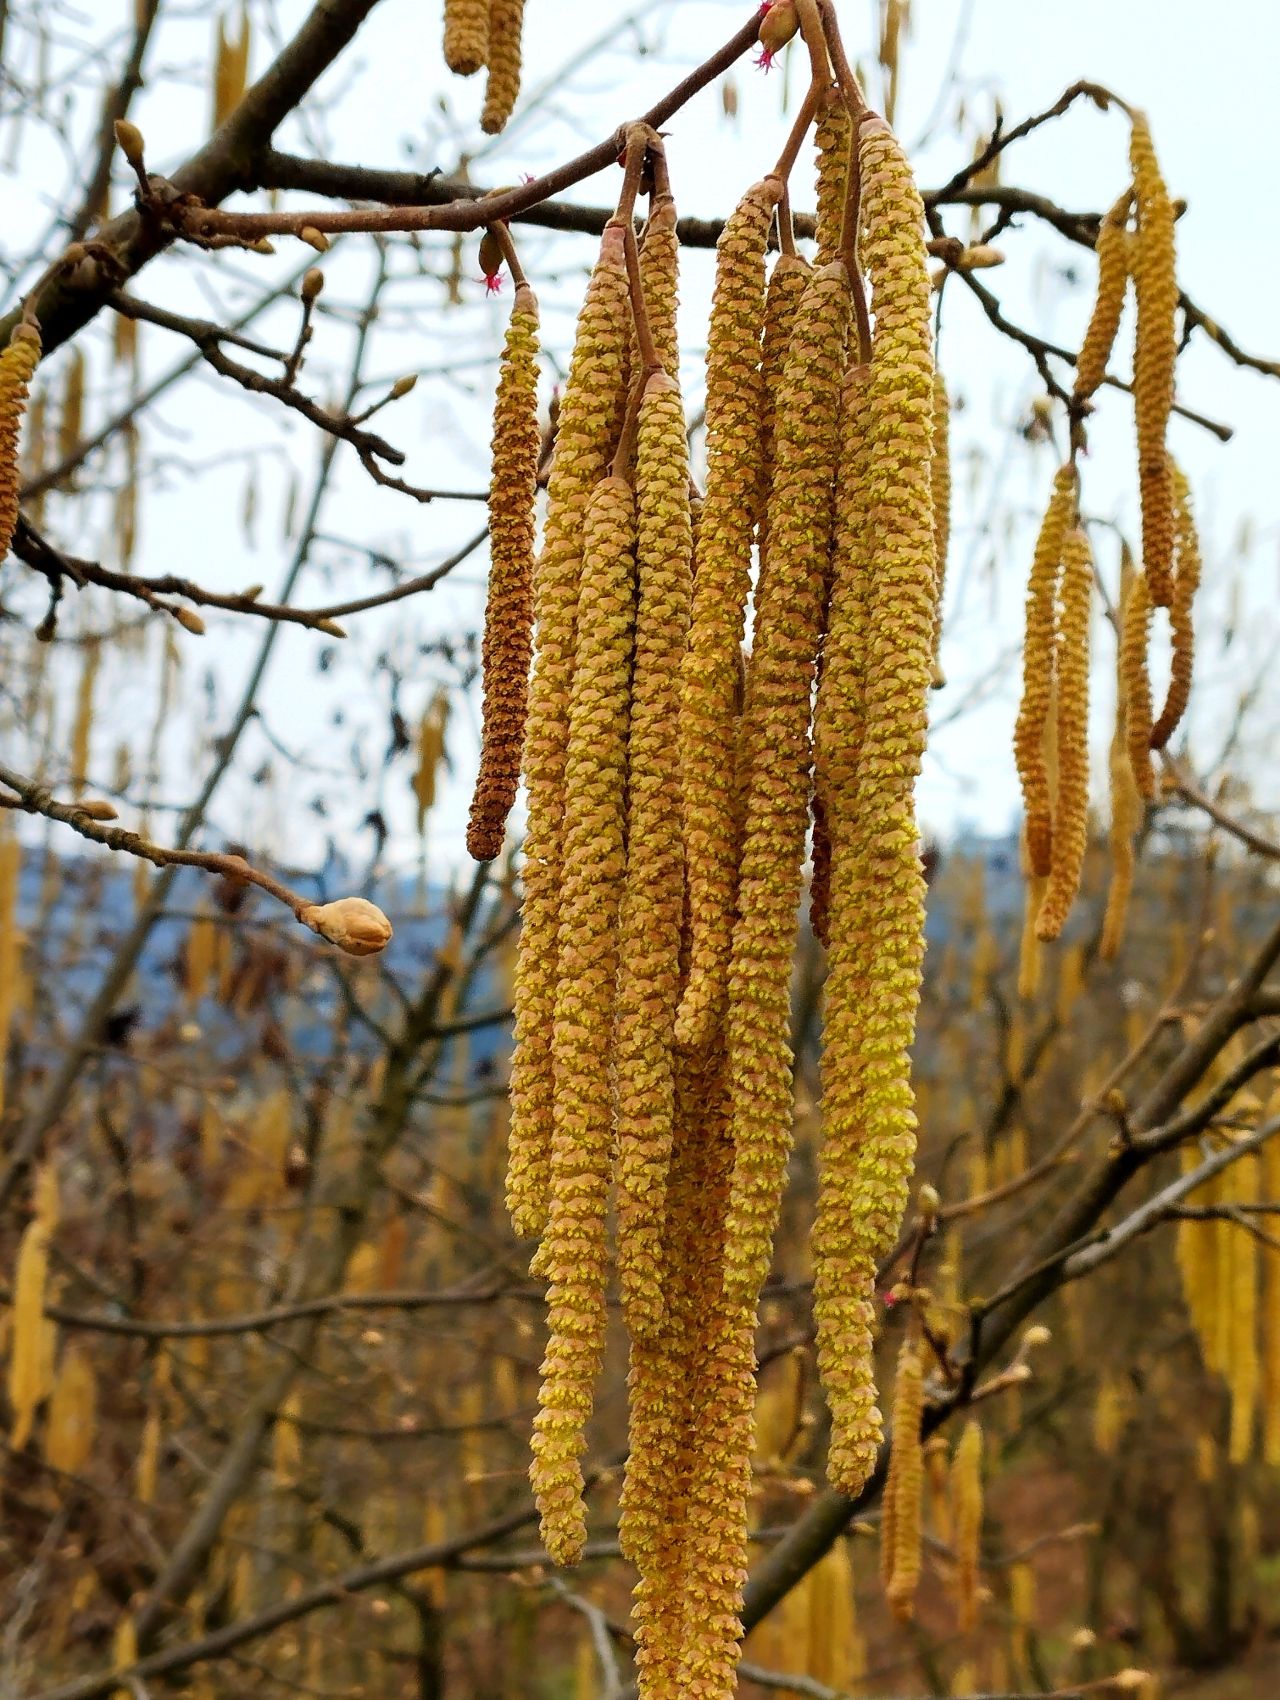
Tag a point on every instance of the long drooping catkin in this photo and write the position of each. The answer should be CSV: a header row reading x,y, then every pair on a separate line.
x,y
17,367
502,85
660,279
466,35
1155,353
776,754
1126,803
1038,666
941,493
787,283
832,137
1071,803
1108,305
877,942
508,615
649,963
709,684
1134,637
27,1346
573,1254
966,1521
900,1534
588,422
1181,632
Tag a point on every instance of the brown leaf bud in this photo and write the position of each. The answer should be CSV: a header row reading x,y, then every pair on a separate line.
x,y
190,621
314,238
312,284
98,809
352,923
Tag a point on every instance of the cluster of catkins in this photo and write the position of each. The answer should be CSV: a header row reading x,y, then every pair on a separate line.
x,y
1135,241
673,784
486,34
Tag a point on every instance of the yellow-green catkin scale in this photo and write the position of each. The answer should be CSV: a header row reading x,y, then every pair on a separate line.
x,y
508,615
649,964
1071,804
941,492
466,35
17,368
502,85
775,750
787,283
1134,638
573,1252
1155,354
832,138
1181,631
711,670
1038,659
1108,305
874,980
588,423
900,1535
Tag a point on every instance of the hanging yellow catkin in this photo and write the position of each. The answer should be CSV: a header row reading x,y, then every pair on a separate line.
x,y
573,1253
832,137
230,68
787,284
1181,633
17,367
1269,1391
1134,637
28,1338
710,675
941,470
1126,804
71,1425
877,888
1071,803
1038,667
776,755
588,420
1155,354
509,606
660,279
10,947
649,943
900,1534
1243,1367
502,85
966,1521
466,35
1108,305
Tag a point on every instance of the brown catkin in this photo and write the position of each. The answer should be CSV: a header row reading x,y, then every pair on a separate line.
x,y
1108,305
17,367
775,750
508,616
966,1522
877,889
502,84
466,35
1134,638
1181,632
900,1535
649,963
710,674
588,421
1038,668
573,1252
941,469
1071,803
832,138
1155,353
1126,804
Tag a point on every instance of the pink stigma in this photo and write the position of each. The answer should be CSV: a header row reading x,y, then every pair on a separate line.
x,y
493,283
766,59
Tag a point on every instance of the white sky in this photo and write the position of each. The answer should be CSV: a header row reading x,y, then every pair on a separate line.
x,y
1204,74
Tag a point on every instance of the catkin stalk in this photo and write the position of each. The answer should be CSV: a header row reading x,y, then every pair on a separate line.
x,y
1071,804
502,85
509,606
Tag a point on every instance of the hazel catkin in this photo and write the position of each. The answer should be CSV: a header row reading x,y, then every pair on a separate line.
x,y
17,367
832,137
1134,638
900,1532
1038,666
466,35
508,615
502,84
710,673
1071,803
966,1522
573,1252
1113,280
1181,632
1126,803
941,493
27,1346
1155,353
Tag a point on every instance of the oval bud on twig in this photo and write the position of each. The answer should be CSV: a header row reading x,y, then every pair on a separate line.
x,y
352,923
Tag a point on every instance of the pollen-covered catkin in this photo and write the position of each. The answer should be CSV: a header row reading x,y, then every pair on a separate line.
x,y
588,422
874,979
659,278
508,616
900,1557
775,751
1071,803
832,137
787,283
466,35
17,367
941,469
502,84
27,1348
709,681
649,962
1134,638
1113,281
1155,354
1038,668
966,1522
573,1252
1181,632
